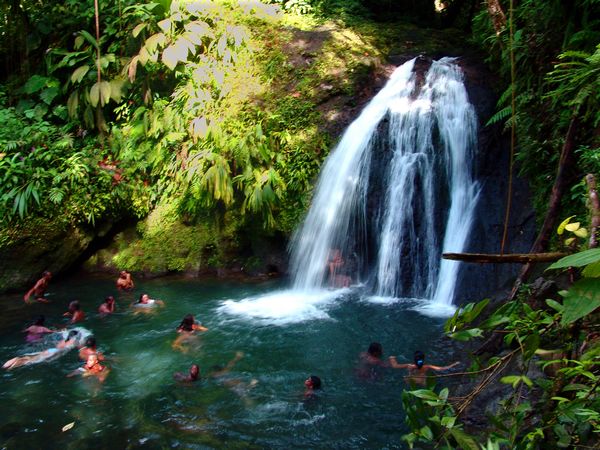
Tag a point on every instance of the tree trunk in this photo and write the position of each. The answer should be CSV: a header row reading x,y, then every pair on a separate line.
x,y
510,258
565,163
594,210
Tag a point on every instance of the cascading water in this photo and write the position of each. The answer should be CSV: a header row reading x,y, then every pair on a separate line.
x,y
431,136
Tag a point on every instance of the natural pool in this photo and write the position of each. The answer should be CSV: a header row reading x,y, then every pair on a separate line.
x,y
140,406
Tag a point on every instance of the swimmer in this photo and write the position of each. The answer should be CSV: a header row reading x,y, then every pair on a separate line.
x,y
146,301
371,361
125,282
417,371
36,331
39,288
90,349
108,307
311,384
75,312
187,332
34,358
194,373
192,376
92,368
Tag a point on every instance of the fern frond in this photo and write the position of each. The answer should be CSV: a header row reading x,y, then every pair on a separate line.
x,y
500,116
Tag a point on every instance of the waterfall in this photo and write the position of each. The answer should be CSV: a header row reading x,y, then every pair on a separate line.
x,y
429,194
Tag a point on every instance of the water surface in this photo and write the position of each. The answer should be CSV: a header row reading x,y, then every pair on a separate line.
x,y
285,336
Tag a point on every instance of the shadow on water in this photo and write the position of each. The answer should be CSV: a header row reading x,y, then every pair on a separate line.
x,y
258,404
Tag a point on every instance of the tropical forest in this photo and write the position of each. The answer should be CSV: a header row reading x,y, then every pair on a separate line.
x,y
275,224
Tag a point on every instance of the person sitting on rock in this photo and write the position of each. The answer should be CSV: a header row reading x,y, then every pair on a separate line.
x,y
39,288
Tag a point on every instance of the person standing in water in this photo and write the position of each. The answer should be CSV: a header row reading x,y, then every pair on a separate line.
x,y
417,370
125,282
371,362
39,288
90,349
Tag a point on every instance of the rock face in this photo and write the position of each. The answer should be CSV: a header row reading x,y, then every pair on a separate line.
x,y
475,281
31,250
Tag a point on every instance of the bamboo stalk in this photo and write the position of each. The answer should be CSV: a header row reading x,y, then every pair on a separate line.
x,y
594,210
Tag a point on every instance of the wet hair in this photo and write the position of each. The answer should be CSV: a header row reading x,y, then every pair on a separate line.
x,y
419,358
187,324
39,320
315,381
141,296
46,273
71,334
75,305
375,349
90,342
109,299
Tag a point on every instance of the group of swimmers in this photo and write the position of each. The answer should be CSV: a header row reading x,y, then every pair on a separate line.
x,y
371,361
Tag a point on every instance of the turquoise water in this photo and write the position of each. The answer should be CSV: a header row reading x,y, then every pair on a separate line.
x,y
259,404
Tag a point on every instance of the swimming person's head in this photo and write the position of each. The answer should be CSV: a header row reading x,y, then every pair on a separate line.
x,y
74,306
110,299
187,324
39,321
47,274
143,298
419,358
194,372
313,382
71,335
90,342
375,349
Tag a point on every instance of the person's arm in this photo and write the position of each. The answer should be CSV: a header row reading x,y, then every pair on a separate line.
x,y
229,366
31,291
198,327
437,368
395,365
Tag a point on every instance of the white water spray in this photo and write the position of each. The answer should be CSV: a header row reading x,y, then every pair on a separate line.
x,y
431,138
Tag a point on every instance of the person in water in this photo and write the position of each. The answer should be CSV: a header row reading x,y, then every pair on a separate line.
x,y
335,263
37,331
372,361
218,372
39,288
311,384
33,358
125,282
187,330
191,376
75,312
89,348
92,368
108,307
417,370
145,300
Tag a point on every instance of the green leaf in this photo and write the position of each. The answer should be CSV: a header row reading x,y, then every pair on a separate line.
x,y
95,94
581,299
555,305
34,84
88,37
79,73
592,270
426,433
466,335
572,226
531,344
73,103
49,94
465,441
104,92
138,29
170,57
578,259
425,394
